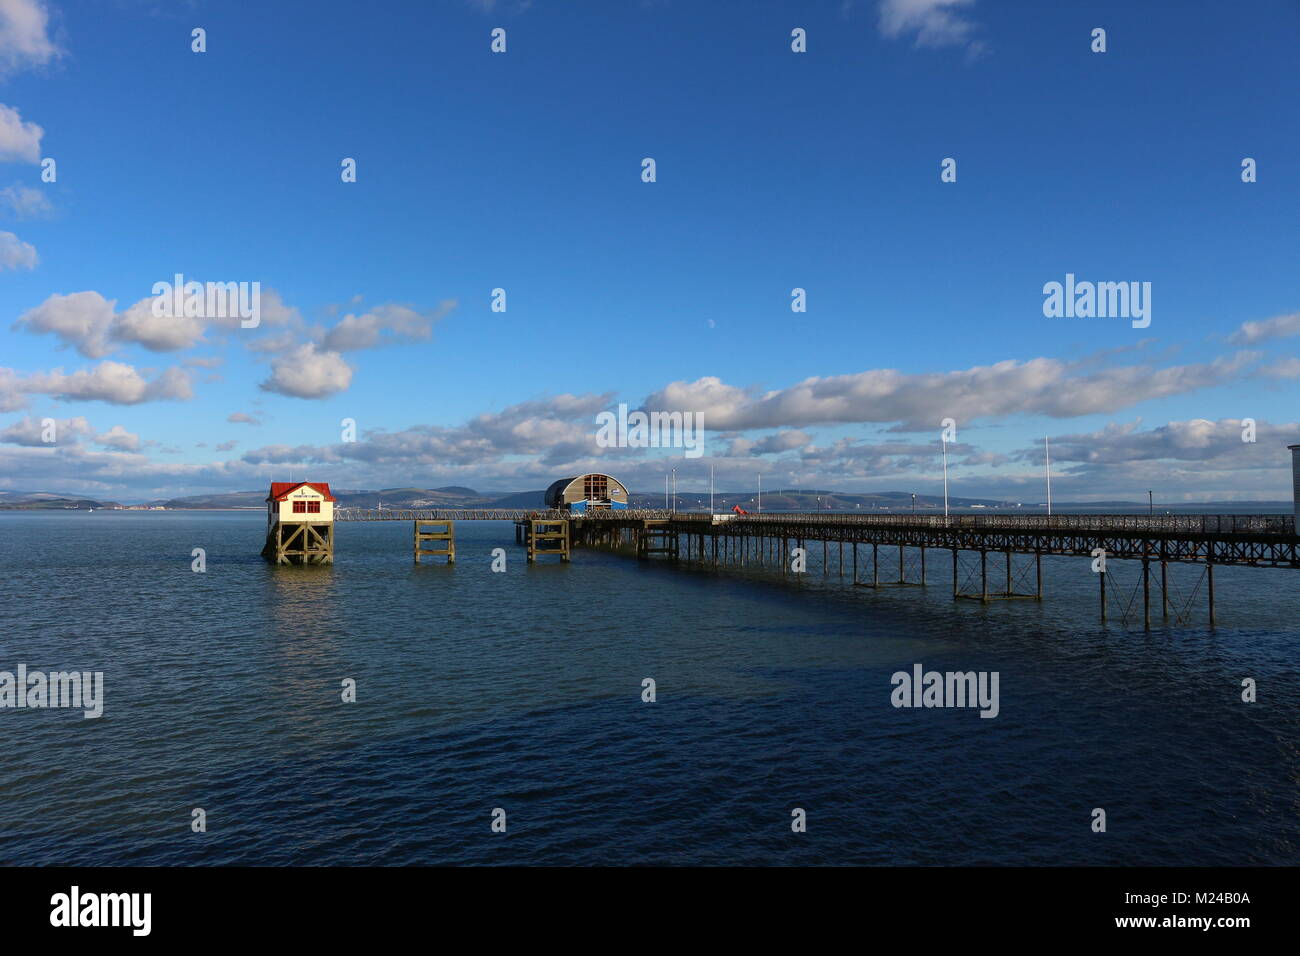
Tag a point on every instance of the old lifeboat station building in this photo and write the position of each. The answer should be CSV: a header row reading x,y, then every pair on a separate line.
x,y
591,492
299,523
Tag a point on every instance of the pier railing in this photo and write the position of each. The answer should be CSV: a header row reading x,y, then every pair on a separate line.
x,y
1069,523
446,514
1186,524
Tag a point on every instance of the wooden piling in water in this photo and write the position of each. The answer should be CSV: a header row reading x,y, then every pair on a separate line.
x,y
435,531
547,536
299,523
300,543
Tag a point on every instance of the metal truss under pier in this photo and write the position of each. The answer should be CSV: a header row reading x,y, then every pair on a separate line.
x,y
1257,541
1250,540
1208,540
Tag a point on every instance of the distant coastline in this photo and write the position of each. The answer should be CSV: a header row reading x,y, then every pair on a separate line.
x,y
784,500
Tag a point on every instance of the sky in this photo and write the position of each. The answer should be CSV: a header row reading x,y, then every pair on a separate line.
x,y
128,157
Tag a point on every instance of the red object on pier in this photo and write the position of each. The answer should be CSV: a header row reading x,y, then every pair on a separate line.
x,y
280,489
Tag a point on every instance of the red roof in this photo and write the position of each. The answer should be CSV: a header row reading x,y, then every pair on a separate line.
x,y
281,489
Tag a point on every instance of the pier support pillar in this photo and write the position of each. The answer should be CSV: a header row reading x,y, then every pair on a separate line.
x,y
300,542
548,536
1164,589
435,531
1146,593
657,538
1101,577
1209,580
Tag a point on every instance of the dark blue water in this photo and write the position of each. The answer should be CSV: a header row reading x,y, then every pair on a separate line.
x,y
522,691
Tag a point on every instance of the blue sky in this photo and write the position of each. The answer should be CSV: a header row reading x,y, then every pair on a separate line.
x,y
775,170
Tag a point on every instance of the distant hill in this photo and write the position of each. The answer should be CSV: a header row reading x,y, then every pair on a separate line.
x,y
450,497
521,499
45,501
458,496
234,499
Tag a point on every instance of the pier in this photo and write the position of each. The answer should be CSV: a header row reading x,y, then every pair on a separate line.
x,y
592,511
771,539
850,546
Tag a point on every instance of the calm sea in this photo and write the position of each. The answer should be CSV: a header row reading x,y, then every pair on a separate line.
x,y
478,690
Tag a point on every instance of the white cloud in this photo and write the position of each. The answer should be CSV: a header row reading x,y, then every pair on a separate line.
x,y
385,324
24,35
308,372
30,432
1197,439
109,381
174,384
170,333
16,254
23,202
1196,459
280,342
934,22
919,401
11,396
313,369
81,320
119,438
492,6
20,142
272,312
551,433
86,321
1282,326
1282,368
165,333
771,445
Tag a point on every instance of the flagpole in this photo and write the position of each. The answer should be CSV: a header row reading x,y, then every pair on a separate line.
x,y
945,476
1047,467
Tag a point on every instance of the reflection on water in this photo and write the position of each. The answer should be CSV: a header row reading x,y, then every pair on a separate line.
x,y
523,689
